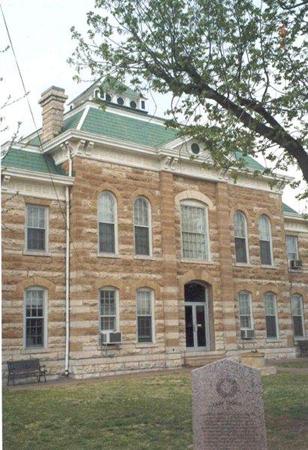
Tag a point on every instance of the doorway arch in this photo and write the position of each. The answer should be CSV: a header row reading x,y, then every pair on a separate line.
x,y
197,327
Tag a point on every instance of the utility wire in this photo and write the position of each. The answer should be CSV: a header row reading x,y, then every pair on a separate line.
x,y
30,108
36,128
18,67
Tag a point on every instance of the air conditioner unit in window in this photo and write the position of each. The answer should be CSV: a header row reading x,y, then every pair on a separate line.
x,y
296,264
247,334
111,338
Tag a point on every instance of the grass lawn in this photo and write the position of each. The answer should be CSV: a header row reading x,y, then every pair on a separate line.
x,y
296,363
138,412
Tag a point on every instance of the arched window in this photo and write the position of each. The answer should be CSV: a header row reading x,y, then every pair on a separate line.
x,y
265,241
297,306
246,318
240,237
35,317
107,223
145,307
195,243
109,309
142,226
271,316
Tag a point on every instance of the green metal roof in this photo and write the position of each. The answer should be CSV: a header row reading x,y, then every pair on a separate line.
x,y
129,129
24,159
126,128
73,121
249,161
287,209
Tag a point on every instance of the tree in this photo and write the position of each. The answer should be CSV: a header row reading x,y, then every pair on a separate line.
x,y
237,69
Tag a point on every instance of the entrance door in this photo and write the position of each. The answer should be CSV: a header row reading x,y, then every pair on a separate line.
x,y
196,317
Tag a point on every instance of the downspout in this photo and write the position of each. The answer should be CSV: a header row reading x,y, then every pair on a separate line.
x,y
67,269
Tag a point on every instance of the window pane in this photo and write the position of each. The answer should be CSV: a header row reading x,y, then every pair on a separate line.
x,y
298,315
108,324
106,238
143,302
270,304
194,232
108,309
265,252
106,208
34,317
144,315
264,228
145,329
240,250
292,243
298,326
271,329
194,246
35,216
107,302
297,305
36,239
239,225
142,246
245,310
194,292
193,219
244,303
34,332
245,322
141,212
36,232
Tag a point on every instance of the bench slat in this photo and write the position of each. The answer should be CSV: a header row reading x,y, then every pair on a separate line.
x,y
25,368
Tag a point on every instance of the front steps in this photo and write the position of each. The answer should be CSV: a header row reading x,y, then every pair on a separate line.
x,y
199,359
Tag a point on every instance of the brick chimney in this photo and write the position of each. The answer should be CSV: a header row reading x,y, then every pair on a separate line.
x,y
52,102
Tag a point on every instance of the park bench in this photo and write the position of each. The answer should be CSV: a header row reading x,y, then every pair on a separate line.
x,y
26,368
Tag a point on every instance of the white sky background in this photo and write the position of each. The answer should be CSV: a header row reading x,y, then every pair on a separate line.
x,y
40,31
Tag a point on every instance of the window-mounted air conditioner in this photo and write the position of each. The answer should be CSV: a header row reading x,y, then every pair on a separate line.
x,y
247,334
296,264
111,338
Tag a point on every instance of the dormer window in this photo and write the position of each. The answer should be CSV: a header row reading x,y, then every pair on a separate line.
x,y
120,101
195,149
108,98
133,105
97,94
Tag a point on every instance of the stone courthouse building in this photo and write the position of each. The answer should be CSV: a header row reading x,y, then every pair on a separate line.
x,y
123,250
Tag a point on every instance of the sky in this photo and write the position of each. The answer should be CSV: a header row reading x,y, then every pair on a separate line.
x,y
40,32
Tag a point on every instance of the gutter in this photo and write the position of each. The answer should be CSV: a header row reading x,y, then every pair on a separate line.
x,y
67,269
37,176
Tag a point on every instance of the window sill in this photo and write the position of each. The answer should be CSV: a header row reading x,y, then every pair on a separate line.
x,y
300,338
273,340
35,350
243,265
269,266
31,253
196,261
146,257
300,271
108,255
145,344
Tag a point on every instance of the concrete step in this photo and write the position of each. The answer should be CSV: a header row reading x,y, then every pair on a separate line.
x,y
201,359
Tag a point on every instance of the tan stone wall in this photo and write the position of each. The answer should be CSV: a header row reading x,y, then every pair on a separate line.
x,y
21,271
165,271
